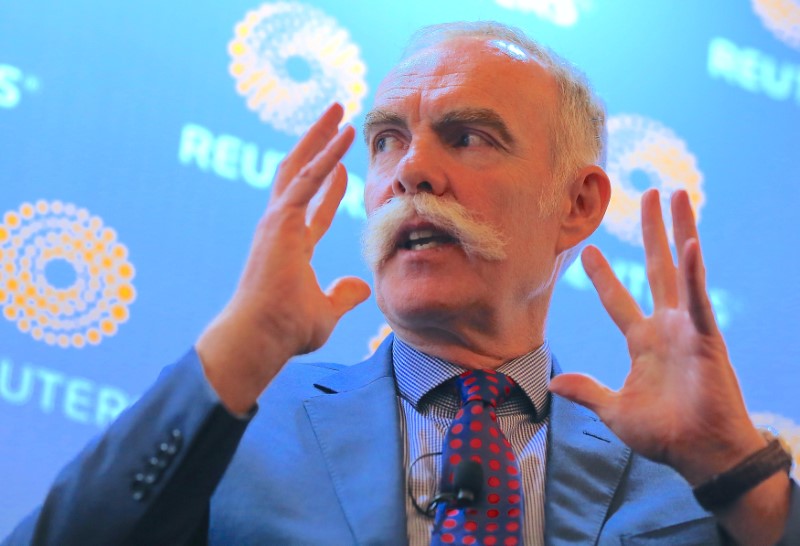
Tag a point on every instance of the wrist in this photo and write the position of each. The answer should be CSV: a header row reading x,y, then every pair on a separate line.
x,y
761,514
724,489
237,364
706,461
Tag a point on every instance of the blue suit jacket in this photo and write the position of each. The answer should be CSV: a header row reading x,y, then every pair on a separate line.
x,y
322,464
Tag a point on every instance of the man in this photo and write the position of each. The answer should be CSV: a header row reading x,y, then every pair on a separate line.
x,y
483,177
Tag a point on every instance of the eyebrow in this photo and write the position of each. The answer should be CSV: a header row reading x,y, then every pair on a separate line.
x,y
464,116
476,116
381,117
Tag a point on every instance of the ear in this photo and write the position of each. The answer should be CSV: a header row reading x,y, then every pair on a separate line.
x,y
584,206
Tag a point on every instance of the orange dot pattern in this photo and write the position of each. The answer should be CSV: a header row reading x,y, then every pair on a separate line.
x,y
637,144
88,310
781,18
376,340
276,34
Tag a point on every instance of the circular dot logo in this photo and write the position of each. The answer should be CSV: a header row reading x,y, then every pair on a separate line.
x,y
291,61
64,278
781,18
789,431
644,154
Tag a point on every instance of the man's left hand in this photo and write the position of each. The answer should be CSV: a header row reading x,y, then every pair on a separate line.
x,y
681,403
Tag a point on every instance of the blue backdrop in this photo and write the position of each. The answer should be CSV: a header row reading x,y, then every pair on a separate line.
x,y
138,139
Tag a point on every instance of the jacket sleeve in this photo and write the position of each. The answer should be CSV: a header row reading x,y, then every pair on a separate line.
x,y
149,478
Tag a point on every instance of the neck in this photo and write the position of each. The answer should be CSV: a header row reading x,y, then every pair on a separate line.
x,y
469,346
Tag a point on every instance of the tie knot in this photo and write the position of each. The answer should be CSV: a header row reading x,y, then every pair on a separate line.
x,y
487,386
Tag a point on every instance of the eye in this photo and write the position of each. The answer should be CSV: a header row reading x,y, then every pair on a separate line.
x,y
386,143
468,139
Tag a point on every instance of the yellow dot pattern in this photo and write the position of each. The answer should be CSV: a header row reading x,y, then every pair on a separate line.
x,y
376,340
781,18
275,34
88,310
636,143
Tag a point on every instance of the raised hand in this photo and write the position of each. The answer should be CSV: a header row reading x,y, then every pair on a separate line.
x,y
681,403
279,309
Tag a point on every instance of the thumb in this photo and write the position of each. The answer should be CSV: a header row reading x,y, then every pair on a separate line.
x,y
345,293
585,391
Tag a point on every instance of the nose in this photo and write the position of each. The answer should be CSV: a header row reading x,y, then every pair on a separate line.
x,y
420,171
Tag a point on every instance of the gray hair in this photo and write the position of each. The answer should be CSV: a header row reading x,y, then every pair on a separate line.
x,y
578,132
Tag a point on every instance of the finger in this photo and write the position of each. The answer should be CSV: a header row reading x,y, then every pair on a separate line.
x,y
697,301
345,293
684,228
321,214
683,224
618,302
309,179
585,391
316,201
660,269
315,140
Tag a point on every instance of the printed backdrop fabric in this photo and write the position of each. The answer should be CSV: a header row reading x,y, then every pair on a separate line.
x,y
138,142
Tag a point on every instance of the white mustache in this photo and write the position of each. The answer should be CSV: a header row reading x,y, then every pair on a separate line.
x,y
476,237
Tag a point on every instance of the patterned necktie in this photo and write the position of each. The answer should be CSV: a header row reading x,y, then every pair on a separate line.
x,y
495,517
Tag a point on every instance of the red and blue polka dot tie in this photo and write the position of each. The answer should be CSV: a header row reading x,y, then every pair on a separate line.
x,y
495,517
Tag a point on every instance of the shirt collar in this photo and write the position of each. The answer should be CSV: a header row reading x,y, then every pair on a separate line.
x,y
417,374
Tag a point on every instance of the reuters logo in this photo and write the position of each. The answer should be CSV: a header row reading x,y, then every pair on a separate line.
x,y
789,431
291,61
64,278
642,154
781,18
560,12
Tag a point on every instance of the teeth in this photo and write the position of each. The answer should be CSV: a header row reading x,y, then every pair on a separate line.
x,y
420,239
422,246
420,234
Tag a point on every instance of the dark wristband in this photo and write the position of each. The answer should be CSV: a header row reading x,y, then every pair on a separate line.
x,y
725,488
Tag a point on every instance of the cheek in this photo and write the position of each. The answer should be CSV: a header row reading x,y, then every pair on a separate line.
x,y
510,211
522,203
379,289
378,184
374,193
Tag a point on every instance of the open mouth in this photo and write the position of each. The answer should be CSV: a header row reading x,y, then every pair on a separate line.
x,y
425,238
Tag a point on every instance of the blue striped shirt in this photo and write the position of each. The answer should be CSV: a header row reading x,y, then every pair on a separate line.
x,y
427,407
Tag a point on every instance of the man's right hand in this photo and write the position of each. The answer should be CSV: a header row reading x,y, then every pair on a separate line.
x,y
279,310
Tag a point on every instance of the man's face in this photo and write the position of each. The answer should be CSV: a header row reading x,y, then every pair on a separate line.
x,y
465,121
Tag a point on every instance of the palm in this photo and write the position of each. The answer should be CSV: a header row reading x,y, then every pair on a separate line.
x,y
279,288
279,310
681,400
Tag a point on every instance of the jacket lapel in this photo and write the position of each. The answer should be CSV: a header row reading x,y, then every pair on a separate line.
x,y
356,422
585,464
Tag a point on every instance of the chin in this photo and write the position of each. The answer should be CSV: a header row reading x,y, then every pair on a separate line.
x,y
412,306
